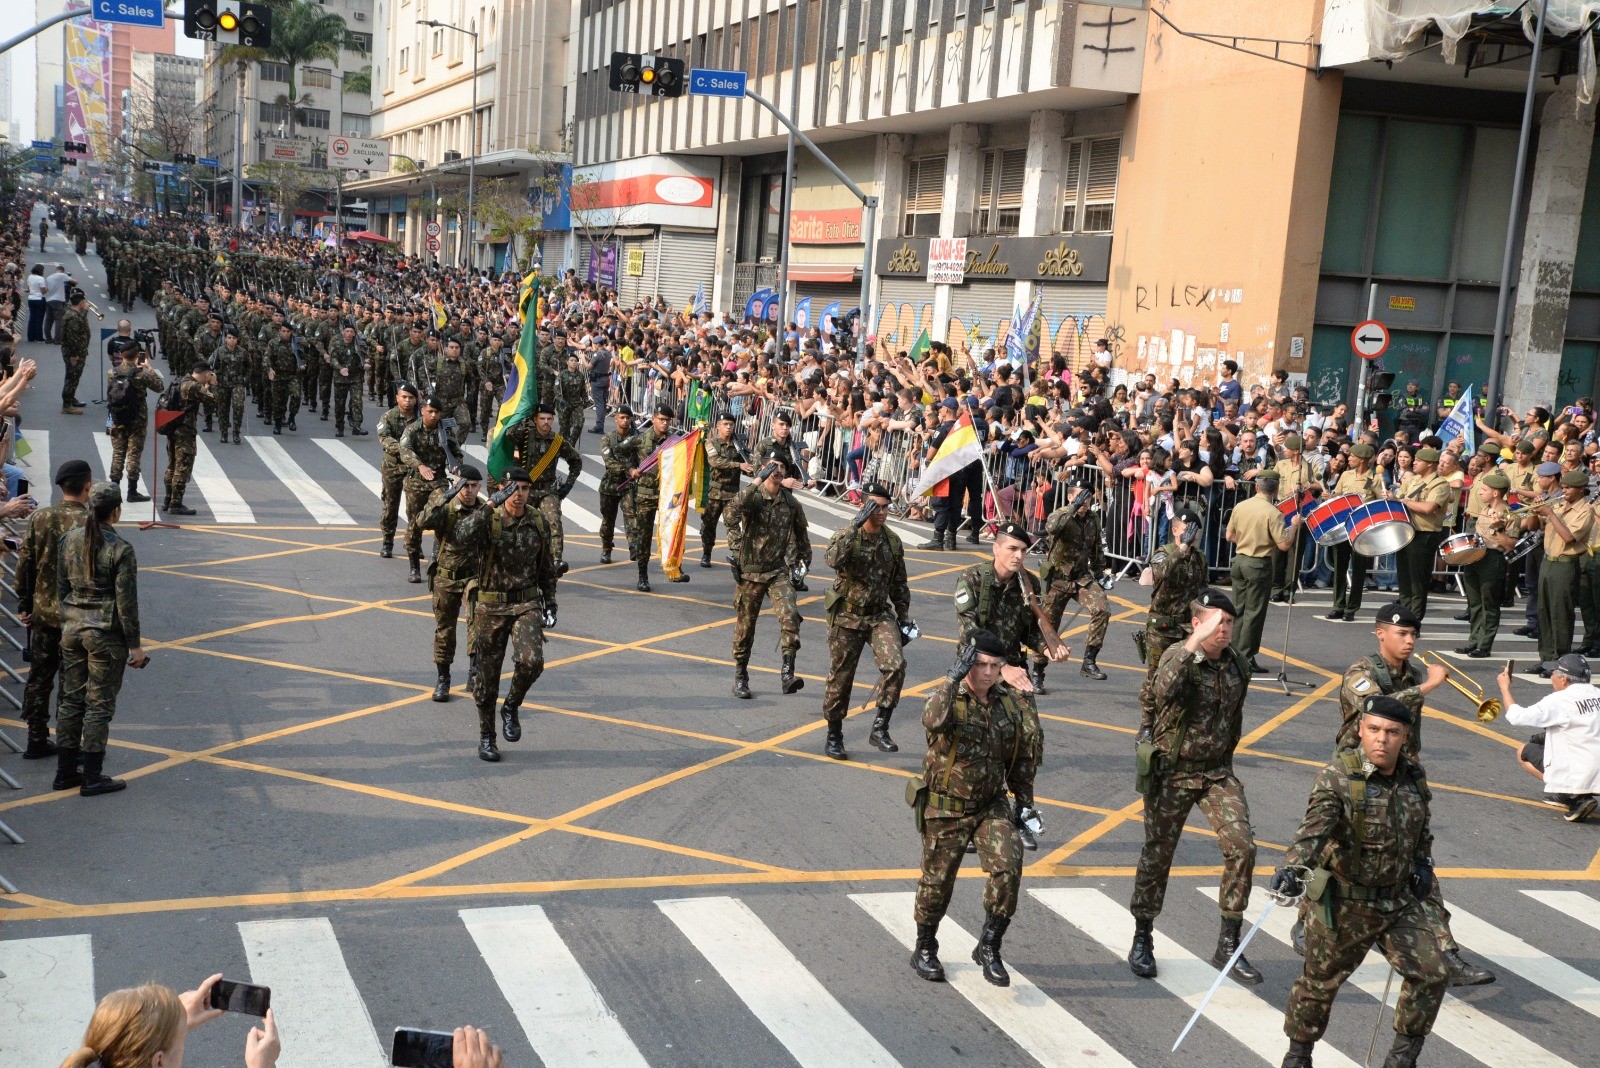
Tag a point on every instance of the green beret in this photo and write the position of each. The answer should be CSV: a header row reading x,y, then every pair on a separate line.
x,y
1363,451
1574,478
1293,443
1488,448
1428,456
1497,481
1525,446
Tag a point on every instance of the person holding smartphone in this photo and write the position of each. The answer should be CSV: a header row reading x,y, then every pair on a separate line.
x,y
146,1027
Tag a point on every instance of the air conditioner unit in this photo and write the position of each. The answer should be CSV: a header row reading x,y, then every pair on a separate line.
x,y
360,16
451,157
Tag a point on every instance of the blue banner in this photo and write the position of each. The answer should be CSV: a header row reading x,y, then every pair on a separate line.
x,y
757,304
1458,424
827,318
802,313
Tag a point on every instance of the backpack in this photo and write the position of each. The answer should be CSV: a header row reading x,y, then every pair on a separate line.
x,y
122,399
171,401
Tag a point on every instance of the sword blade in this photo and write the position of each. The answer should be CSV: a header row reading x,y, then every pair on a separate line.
x,y
1382,1005
1223,974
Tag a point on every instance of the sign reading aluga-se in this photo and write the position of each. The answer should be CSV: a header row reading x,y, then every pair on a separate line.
x,y
1370,339
129,12
729,83
361,153
947,260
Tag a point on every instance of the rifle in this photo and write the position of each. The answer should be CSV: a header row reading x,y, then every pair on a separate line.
x,y
1047,630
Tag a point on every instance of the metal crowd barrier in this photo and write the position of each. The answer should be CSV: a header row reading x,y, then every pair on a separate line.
x,y
8,568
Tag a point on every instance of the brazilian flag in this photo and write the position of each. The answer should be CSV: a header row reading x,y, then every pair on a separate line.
x,y
521,395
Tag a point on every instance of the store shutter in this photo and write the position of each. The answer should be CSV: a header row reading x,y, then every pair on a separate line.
x,y
904,306
688,260
981,306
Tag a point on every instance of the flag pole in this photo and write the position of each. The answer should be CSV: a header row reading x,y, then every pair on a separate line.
x,y
155,519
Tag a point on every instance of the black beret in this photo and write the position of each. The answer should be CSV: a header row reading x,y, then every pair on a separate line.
x,y
407,387
666,410
71,469
624,410
988,643
725,417
432,402
1187,513
230,331
1013,530
1211,597
545,408
1397,614
470,473
783,417
877,489
1385,707
517,474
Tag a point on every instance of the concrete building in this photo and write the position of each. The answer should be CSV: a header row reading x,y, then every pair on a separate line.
x,y
50,71
325,108
423,106
8,119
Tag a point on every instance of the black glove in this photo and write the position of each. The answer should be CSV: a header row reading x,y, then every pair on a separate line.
x,y
867,511
566,488
767,470
1191,531
1288,882
1422,878
966,656
504,494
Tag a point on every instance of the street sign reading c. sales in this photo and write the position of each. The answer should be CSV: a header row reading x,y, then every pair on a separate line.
x,y
1370,339
129,12
729,83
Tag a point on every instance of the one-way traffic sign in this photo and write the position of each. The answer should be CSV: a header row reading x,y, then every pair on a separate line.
x,y
1370,339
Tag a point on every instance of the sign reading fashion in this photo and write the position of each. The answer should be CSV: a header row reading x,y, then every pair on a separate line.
x,y
1051,258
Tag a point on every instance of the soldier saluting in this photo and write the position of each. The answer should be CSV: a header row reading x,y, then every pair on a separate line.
x,y
1178,575
775,531
1076,562
869,602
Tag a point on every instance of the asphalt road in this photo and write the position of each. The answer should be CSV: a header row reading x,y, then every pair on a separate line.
x,y
658,873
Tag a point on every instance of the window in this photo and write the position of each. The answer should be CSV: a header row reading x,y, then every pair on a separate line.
x,y
438,42
313,78
314,118
273,113
924,196
359,42
1089,185
273,72
999,209
405,59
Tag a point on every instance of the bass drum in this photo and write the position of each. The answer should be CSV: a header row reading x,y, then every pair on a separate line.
x,y
1378,528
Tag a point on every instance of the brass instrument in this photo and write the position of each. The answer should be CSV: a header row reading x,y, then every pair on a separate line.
x,y
1489,708
98,314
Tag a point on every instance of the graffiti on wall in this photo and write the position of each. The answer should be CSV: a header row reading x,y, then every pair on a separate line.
x,y
1070,336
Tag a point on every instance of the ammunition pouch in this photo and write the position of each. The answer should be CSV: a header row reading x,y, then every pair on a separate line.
x,y
917,798
1147,768
1139,645
1319,891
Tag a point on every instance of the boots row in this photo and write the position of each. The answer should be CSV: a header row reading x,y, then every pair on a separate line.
x,y
1142,957
787,681
879,738
986,954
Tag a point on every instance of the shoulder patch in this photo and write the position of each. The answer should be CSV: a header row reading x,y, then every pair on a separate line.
x,y
1362,685
962,596
1159,558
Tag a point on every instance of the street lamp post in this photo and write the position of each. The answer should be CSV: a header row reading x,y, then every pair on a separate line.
x,y
472,130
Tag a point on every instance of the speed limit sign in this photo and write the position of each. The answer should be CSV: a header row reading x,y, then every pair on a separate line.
x,y
433,244
433,229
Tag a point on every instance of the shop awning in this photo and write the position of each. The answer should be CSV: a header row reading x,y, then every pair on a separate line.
x,y
824,273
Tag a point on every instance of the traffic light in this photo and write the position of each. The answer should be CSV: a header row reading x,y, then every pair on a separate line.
x,y
228,22
632,72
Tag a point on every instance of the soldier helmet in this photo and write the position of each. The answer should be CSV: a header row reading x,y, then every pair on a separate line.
x,y
1385,707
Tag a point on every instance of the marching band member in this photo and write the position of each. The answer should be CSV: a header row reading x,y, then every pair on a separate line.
x,y
1484,581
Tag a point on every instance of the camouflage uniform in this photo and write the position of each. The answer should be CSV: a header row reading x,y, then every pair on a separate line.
x,y
284,364
391,428
233,369
74,350
450,387
571,398
1178,580
531,450
1369,900
1077,559
99,624
346,356
37,567
775,530
984,603
411,363
492,384
646,494
128,435
976,751
1198,720
1369,677
725,465
620,454
867,602
454,568
421,447
181,446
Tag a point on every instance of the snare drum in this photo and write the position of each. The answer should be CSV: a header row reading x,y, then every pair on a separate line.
x,y
1378,528
1458,550
1327,520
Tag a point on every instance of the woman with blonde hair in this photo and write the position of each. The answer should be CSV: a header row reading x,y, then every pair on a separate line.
x,y
145,1027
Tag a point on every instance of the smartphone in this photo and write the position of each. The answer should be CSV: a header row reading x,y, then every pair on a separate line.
x,y
230,996
1511,667
22,487
414,1048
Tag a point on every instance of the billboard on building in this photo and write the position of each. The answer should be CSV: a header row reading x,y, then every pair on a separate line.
x,y
88,85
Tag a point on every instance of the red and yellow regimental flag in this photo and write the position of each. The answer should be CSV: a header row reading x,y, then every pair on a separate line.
x,y
681,476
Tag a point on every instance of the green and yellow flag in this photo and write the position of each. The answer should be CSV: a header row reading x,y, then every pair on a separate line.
x,y
521,394
919,350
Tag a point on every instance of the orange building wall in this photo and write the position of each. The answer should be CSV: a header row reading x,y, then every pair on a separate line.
x,y
125,41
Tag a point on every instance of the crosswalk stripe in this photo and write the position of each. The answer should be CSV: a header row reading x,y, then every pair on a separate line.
x,y
226,505
315,499
571,510
1251,1022
353,462
321,1017
1046,1031
479,453
38,461
102,445
1515,955
46,999
781,992
565,1018
1579,906
1458,1023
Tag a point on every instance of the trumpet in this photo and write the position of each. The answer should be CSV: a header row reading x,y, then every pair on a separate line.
x,y
98,314
1520,507
1488,708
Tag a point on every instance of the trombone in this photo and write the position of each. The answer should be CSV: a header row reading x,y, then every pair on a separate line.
x,y
1489,708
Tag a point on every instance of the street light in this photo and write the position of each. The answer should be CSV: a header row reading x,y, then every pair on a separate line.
x,y
472,129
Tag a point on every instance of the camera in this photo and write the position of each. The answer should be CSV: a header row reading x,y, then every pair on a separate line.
x,y
145,339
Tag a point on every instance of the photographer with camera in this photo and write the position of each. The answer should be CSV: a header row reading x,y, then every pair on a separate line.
x,y
147,1026
127,409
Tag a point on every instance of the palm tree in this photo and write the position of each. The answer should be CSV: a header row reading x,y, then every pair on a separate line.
x,y
303,32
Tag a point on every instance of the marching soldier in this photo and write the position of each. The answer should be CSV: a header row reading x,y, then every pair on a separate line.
x,y
129,410
1427,498
283,372
193,393
783,447
410,358
1349,566
1178,573
617,453
646,493
775,531
538,448
726,463
391,428
453,569
982,742
450,385
869,603
516,602
233,368
572,397
1378,880
74,350
1256,529
425,456
1199,692
1484,580
38,604
348,363
492,376
1568,523
1072,571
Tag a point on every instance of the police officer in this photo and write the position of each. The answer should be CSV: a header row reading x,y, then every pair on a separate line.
x,y
617,449
454,567
1256,529
726,464
982,742
774,532
1349,566
868,603
1427,497
391,428
1484,580
1377,881
1178,575
1199,690
1568,524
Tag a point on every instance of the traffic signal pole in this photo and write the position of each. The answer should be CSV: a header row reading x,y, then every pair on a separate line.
x,y
53,20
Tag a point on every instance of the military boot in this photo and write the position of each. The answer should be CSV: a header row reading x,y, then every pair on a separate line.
x,y
1464,974
236,435
39,743
1227,942
134,496
1036,676
1089,668
934,543
1142,957
741,682
972,534
879,738
416,567
387,552
95,781
67,773
487,750
510,725
605,555
441,688
1298,1055
1403,1054
786,680
950,540
835,744
644,577
177,507
925,957
705,556
986,954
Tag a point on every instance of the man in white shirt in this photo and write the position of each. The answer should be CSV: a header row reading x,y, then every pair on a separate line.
x,y
1568,757
55,302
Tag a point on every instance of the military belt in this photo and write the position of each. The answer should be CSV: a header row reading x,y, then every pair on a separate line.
x,y
527,593
1168,621
958,805
1358,892
1195,767
446,574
